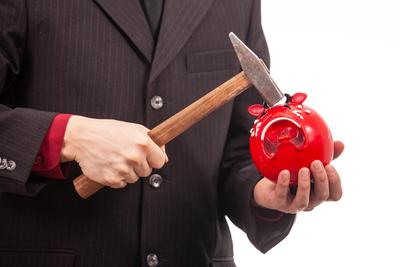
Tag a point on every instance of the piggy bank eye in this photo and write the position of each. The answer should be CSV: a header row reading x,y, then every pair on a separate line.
x,y
282,131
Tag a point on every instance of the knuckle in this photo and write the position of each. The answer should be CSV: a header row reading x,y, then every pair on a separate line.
x,y
133,179
304,186
144,142
320,176
144,171
134,159
158,163
108,180
122,185
147,172
123,169
140,173
113,182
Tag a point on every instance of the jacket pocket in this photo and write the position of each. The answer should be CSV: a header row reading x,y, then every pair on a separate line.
x,y
222,262
36,258
212,61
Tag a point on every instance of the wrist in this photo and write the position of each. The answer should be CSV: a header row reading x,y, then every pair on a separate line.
x,y
264,213
259,194
69,147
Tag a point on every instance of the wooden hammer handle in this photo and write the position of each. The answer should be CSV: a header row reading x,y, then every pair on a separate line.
x,y
180,122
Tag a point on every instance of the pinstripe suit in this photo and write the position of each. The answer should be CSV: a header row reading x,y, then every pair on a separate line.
x,y
97,58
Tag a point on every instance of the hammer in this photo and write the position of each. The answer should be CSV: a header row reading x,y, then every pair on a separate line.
x,y
255,73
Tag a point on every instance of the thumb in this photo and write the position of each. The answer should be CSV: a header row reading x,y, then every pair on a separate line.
x,y
338,148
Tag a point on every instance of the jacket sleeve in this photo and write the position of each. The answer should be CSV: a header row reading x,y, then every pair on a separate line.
x,y
238,174
47,162
21,129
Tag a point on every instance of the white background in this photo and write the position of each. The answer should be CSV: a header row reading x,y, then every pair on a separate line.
x,y
345,55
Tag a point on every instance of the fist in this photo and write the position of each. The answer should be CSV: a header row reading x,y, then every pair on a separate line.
x,y
111,152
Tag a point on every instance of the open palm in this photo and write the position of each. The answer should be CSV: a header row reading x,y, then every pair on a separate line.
x,y
277,196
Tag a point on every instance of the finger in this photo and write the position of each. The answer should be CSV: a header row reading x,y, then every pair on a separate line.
x,y
132,177
321,184
113,179
301,200
338,148
282,189
335,185
156,157
143,169
165,153
118,185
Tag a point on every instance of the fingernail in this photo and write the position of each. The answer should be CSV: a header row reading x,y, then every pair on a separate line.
x,y
286,176
305,173
317,164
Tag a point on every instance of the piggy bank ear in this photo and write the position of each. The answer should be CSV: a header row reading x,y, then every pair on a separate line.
x,y
256,110
298,98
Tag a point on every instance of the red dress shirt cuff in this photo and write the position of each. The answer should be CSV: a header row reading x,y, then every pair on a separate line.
x,y
47,162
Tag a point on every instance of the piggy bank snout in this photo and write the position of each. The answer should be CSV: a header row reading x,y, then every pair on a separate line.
x,y
282,131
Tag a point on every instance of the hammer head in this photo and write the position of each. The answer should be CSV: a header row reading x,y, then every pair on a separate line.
x,y
257,72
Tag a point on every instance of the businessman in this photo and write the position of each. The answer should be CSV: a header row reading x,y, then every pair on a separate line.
x,y
81,82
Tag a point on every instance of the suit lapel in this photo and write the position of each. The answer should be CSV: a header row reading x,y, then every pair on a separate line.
x,y
180,19
128,15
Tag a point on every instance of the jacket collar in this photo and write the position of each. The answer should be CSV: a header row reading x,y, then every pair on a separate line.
x,y
129,17
180,18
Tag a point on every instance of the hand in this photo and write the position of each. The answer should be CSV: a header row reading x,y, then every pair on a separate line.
x,y
327,186
110,152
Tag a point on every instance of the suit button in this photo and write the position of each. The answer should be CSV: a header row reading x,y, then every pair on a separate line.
x,y
152,260
11,165
3,164
156,102
155,180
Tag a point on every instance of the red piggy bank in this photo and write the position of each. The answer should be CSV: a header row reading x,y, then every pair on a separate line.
x,y
288,137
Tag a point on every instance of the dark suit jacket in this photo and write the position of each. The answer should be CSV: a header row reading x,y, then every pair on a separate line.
x,y
97,58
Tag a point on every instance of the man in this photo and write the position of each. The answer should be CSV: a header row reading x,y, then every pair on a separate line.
x,y
81,83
